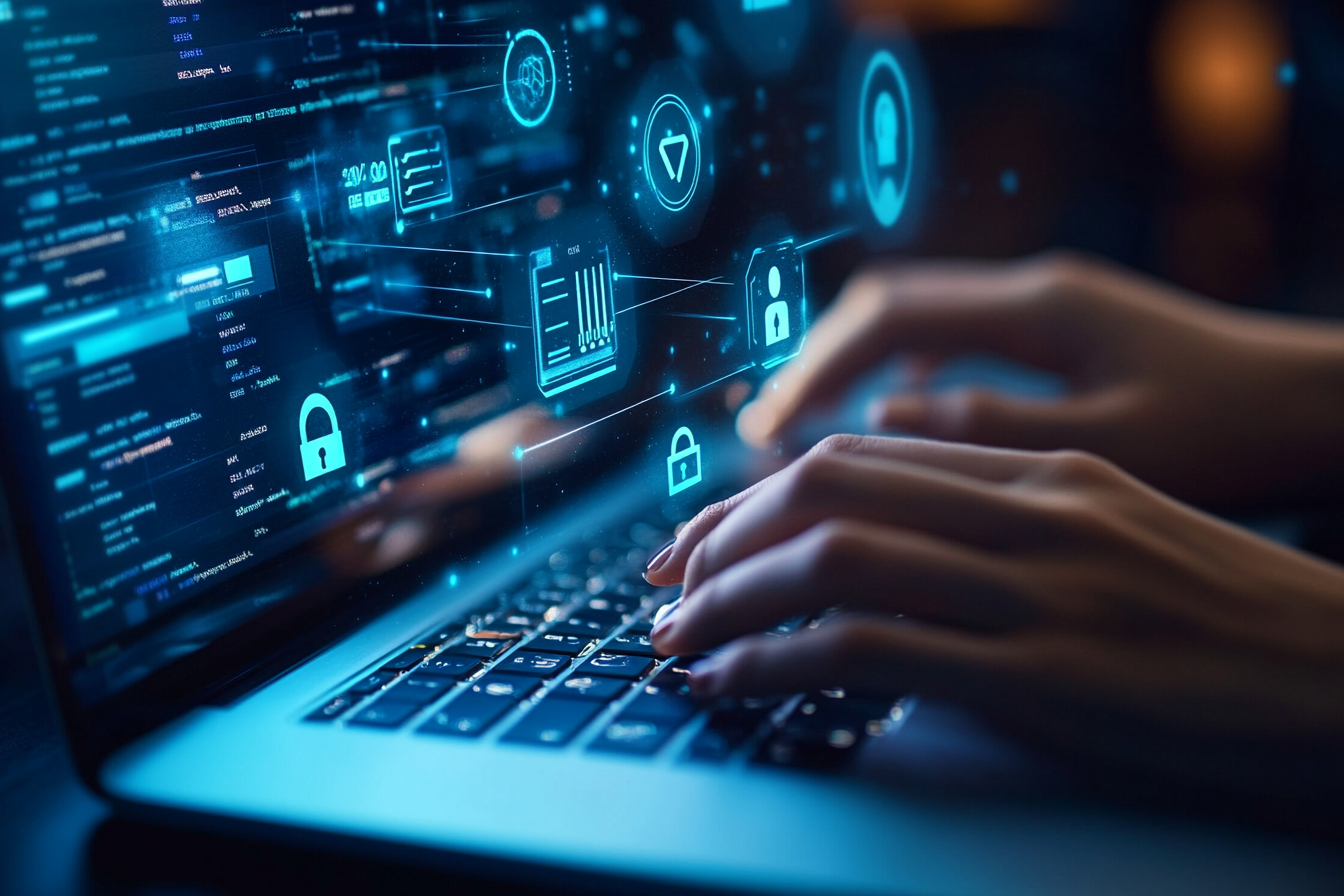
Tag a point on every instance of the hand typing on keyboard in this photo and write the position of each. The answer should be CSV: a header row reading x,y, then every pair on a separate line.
x,y
1051,593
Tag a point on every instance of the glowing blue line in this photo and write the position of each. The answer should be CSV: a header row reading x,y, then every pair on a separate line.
x,y
557,327
461,320
470,292
699,316
550,283
480,208
423,249
398,45
714,282
720,379
825,239
595,422
468,90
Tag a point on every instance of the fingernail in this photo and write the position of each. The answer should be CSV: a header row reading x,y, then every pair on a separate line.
x,y
660,556
665,611
756,424
663,623
706,675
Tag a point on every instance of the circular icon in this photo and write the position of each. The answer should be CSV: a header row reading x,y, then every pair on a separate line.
x,y
774,282
529,78
672,152
886,137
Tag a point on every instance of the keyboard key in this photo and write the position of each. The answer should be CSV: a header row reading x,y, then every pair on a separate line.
x,y
553,723
727,729
640,628
502,684
480,648
641,737
371,683
603,617
586,687
617,665
541,665
450,666
336,706
468,716
385,714
497,631
632,643
443,634
570,645
420,689
406,660
584,628
662,705
606,603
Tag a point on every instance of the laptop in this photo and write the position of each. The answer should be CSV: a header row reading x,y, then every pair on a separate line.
x,y
358,356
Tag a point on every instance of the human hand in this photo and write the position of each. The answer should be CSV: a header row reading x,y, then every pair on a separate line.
x,y
1205,402
1050,593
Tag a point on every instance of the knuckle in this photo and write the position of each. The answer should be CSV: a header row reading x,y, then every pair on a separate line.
x,y
837,444
1073,467
831,549
811,476
845,642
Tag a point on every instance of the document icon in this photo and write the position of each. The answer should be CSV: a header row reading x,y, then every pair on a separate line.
x,y
573,316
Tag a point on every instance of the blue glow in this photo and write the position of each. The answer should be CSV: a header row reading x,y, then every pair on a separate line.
x,y
489,292
672,390
886,198
385,373
709,113
359,480
1009,182
548,83
452,580
515,550
634,123
424,422
1288,74
518,452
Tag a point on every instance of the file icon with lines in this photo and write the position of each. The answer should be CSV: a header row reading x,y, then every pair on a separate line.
x,y
573,315
421,178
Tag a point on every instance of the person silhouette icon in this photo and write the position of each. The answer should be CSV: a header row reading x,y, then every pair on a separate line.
x,y
886,137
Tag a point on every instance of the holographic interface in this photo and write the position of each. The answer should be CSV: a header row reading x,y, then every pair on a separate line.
x,y
264,268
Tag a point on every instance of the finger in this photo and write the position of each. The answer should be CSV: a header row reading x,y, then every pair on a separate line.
x,y
875,490
993,465
850,564
938,310
868,656
989,418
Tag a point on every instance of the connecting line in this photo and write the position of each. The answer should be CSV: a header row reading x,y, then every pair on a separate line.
x,y
595,422
718,280
825,239
487,293
715,282
398,45
719,380
461,320
564,186
423,249
468,90
697,316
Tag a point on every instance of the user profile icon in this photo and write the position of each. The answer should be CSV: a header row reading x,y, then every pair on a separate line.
x,y
886,137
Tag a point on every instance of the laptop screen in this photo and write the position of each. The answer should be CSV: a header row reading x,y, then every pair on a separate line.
x,y
266,265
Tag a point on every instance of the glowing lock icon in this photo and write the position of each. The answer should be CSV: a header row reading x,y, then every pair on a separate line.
x,y
683,464
322,455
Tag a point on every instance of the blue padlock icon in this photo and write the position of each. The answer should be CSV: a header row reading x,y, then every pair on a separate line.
x,y
683,465
324,455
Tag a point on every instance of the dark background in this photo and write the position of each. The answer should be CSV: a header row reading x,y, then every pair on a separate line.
x,y
1201,141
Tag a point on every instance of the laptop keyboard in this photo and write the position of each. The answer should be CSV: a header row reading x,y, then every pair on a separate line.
x,y
564,660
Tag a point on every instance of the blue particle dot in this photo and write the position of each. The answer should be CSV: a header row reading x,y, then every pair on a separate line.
x,y
605,189
673,389
765,169
359,480
384,373
1009,182
634,121
632,149
1288,74
489,292
709,113
518,452
515,550
452,580
424,421
636,194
